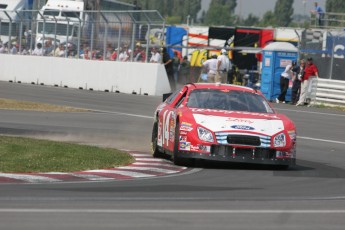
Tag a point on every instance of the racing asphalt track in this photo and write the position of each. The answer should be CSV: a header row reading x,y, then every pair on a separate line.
x,y
218,196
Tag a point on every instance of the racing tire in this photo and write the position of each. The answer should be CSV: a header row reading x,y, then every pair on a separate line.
x,y
155,151
177,160
281,167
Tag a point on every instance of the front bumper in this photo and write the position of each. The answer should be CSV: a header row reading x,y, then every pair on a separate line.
x,y
243,155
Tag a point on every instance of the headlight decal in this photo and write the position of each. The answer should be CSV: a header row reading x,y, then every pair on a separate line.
x,y
205,135
279,140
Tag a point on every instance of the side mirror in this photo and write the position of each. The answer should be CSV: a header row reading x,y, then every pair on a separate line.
x,y
166,95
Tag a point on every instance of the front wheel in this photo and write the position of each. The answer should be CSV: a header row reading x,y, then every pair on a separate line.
x,y
155,151
175,156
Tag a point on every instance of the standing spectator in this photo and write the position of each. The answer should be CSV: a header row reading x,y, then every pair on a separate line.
x,y
139,53
125,54
319,13
298,72
28,39
176,66
184,71
210,67
156,56
223,66
38,51
168,64
309,72
285,77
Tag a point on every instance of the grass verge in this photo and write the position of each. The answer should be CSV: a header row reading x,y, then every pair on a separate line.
x,y
28,105
326,106
23,155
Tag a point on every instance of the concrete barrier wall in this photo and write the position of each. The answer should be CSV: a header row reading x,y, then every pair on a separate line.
x,y
125,77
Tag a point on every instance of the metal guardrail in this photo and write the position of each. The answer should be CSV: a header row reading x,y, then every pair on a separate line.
x,y
328,20
330,92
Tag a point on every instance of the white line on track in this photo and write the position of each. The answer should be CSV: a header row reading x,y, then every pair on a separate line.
x,y
175,211
323,140
291,110
125,114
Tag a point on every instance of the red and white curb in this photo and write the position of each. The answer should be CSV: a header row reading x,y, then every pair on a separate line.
x,y
145,166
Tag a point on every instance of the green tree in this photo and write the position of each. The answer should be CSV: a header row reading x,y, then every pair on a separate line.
x,y
251,20
268,19
221,12
335,6
283,12
175,11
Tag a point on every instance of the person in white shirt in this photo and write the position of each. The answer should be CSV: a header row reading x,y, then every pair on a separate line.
x,y
38,51
156,56
223,66
210,66
285,77
125,54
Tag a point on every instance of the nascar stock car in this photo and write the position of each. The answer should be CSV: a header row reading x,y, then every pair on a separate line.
x,y
222,122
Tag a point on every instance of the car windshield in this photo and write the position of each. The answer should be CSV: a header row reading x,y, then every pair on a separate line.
x,y
232,100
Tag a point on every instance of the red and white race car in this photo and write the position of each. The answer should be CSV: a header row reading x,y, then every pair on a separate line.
x,y
222,122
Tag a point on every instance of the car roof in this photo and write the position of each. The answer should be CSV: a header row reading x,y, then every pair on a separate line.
x,y
219,86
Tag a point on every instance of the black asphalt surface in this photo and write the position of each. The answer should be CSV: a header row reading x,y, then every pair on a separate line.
x,y
216,196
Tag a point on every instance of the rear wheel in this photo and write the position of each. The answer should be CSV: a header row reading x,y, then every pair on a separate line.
x,y
175,156
155,150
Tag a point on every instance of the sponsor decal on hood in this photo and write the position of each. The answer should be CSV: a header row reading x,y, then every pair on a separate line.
x,y
242,127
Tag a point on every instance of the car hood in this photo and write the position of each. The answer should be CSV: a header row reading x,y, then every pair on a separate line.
x,y
264,124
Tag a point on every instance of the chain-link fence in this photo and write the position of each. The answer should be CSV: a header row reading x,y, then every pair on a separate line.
x,y
99,35
327,48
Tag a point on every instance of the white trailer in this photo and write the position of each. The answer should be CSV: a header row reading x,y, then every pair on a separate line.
x,y
13,17
60,20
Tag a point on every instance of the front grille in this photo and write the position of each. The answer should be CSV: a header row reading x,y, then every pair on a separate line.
x,y
244,140
235,138
228,151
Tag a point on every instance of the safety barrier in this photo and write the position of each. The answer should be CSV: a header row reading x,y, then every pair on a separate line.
x,y
112,76
330,92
